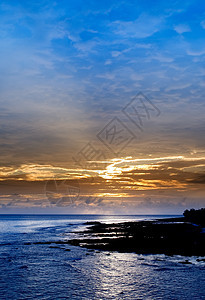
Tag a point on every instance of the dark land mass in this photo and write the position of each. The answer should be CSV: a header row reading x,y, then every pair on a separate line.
x,y
174,236
170,236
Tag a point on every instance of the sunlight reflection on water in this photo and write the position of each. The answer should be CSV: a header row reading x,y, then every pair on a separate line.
x,y
35,271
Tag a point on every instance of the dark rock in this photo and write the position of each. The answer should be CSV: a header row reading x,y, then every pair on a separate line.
x,y
92,223
196,216
199,260
24,267
186,262
164,236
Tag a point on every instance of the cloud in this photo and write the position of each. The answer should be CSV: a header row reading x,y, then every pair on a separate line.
x,y
177,86
163,58
116,53
181,28
67,72
203,24
143,27
196,52
108,62
125,182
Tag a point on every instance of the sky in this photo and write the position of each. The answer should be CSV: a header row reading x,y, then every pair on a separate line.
x,y
102,106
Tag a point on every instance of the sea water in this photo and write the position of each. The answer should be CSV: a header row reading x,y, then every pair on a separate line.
x,y
44,271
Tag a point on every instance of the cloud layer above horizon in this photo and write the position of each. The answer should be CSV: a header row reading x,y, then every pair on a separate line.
x,y
71,69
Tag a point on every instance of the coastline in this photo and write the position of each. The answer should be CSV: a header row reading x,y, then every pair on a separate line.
x,y
37,261
170,236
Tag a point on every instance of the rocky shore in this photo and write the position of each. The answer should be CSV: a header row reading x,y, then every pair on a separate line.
x,y
174,236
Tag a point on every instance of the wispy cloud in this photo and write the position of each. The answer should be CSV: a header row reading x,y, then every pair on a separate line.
x,y
66,72
182,28
143,27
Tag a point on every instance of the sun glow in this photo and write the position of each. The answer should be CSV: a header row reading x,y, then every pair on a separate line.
x,y
128,164
119,169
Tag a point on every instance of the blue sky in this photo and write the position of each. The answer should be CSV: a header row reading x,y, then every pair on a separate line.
x,y
69,67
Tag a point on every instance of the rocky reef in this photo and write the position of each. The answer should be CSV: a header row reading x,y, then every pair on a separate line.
x,y
164,236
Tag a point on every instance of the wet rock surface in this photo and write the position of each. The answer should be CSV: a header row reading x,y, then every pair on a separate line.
x,y
165,236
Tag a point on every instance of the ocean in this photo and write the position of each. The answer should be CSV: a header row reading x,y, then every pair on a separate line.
x,y
43,271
